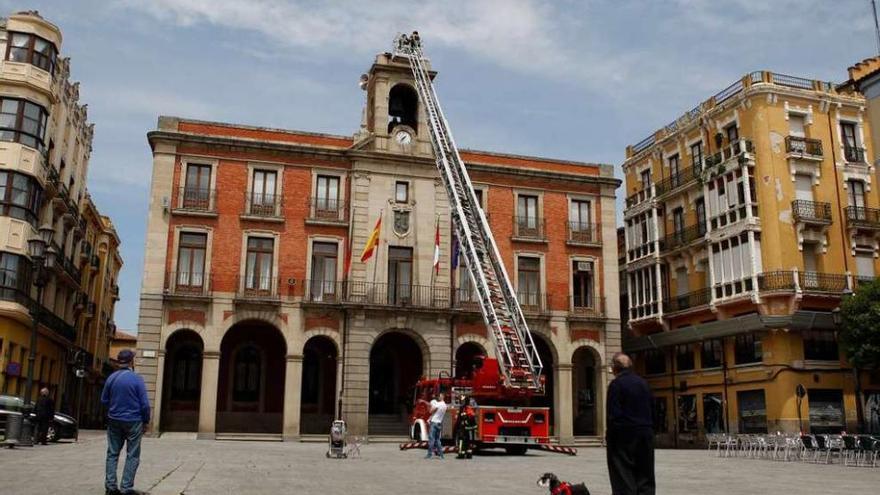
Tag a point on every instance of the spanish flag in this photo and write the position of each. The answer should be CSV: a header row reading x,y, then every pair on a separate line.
x,y
372,242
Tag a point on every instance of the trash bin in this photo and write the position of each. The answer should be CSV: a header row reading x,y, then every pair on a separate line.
x,y
26,435
13,428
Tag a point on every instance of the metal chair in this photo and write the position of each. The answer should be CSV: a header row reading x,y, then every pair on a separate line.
x,y
850,450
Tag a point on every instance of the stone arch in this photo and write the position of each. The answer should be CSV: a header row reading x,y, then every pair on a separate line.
x,y
185,325
330,334
424,348
483,342
587,378
465,357
182,380
403,106
398,359
319,381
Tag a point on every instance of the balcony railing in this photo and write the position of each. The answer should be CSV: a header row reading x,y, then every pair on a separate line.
x,y
377,294
640,196
677,180
732,150
811,211
188,283
803,146
533,302
258,288
587,305
583,232
859,216
466,299
262,205
197,199
776,280
853,154
683,237
528,228
822,282
47,318
860,281
687,301
66,265
328,210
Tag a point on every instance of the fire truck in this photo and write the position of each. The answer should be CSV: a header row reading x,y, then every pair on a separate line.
x,y
503,385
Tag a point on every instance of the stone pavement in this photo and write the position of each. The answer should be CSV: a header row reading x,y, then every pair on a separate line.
x,y
177,464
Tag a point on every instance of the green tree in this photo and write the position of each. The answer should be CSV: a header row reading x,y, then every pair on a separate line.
x,y
860,334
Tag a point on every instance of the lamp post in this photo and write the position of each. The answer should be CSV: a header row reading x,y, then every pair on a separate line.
x,y
42,259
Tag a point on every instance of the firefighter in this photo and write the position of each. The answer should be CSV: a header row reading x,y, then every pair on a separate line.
x,y
466,428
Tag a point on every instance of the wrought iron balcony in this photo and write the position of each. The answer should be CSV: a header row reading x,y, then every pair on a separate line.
x,y
535,303
861,217
853,154
732,150
358,293
583,233
776,280
466,299
328,210
677,180
803,146
687,301
528,228
19,293
640,196
66,266
195,199
811,211
586,305
263,205
822,282
257,288
187,284
682,238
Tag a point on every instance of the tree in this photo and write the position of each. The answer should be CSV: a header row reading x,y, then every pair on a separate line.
x,y
860,333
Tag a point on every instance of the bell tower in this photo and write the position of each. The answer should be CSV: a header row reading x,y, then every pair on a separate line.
x,y
395,117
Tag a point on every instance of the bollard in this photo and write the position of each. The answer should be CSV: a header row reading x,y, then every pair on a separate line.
x,y
13,429
26,435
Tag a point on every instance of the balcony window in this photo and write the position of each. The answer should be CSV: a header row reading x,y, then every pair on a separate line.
x,y
264,193
852,152
326,196
191,261
712,353
579,219
747,349
196,192
23,122
796,125
400,275
582,284
324,261
20,197
684,357
32,49
674,165
528,280
258,265
527,212
732,132
700,207
820,345
655,362
15,276
856,194
646,178
697,155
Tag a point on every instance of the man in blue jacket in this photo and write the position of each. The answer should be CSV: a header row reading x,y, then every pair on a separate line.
x,y
128,416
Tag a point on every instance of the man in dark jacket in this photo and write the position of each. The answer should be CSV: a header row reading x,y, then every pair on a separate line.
x,y
44,411
128,415
630,433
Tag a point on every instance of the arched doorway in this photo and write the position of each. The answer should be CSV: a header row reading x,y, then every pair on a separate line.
x,y
465,357
548,373
403,107
318,398
250,393
396,364
182,382
585,374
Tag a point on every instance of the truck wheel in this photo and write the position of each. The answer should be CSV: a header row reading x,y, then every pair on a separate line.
x,y
516,450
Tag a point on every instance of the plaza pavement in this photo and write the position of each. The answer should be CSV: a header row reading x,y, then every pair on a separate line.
x,y
177,464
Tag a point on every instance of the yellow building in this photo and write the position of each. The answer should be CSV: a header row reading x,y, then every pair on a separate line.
x,y
746,220
45,144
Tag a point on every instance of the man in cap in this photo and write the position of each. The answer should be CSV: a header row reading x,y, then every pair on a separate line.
x,y
128,416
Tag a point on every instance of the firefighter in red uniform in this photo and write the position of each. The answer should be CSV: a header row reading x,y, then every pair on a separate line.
x,y
466,429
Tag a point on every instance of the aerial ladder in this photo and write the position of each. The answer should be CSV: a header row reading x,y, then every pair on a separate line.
x,y
517,356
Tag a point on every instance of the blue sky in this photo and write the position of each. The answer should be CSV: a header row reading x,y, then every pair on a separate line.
x,y
566,79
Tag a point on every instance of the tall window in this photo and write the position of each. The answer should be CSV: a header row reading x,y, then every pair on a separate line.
x,y
856,193
579,220
401,192
697,155
684,357
747,349
22,122
851,150
820,345
674,165
400,271
197,191
327,195
529,280
323,271
732,133
20,197
31,49
582,284
527,213
678,221
191,261
646,178
247,374
712,353
263,195
700,206
258,267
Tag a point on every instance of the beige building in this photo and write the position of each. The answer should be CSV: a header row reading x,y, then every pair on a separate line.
x,y
250,322
45,144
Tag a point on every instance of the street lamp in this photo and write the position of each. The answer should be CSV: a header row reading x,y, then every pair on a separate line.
x,y
42,255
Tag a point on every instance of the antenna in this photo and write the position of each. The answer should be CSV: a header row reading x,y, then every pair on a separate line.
x,y
876,24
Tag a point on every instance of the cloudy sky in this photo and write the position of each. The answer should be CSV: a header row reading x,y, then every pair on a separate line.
x,y
566,79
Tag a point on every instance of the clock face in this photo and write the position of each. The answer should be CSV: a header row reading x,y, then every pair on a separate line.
x,y
403,137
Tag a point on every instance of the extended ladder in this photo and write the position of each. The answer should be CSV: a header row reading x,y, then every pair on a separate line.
x,y
515,349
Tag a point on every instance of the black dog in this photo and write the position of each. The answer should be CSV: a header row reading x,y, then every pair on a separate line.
x,y
549,480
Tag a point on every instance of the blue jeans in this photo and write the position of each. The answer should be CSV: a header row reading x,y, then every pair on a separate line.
x,y
435,446
119,432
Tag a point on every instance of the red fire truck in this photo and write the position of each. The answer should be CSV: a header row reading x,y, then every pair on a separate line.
x,y
504,418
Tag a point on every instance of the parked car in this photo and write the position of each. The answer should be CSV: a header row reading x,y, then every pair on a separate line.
x,y
61,427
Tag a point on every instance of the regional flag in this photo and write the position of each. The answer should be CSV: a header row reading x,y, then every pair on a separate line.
x,y
372,242
437,248
456,248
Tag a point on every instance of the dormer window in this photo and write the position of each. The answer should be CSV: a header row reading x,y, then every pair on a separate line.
x,y
403,107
